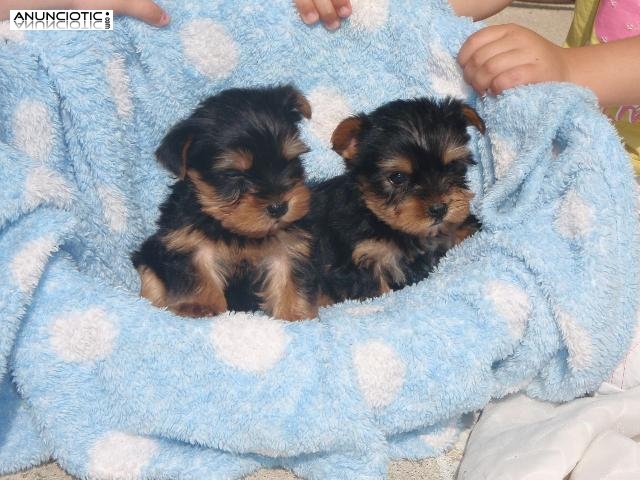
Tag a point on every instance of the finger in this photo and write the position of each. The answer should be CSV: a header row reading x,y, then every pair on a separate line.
x,y
519,75
343,7
307,11
480,39
145,10
482,56
328,14
482,79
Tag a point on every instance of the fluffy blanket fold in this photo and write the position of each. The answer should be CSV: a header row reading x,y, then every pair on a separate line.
x,y
543,300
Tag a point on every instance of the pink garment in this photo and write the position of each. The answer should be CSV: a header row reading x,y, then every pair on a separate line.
x,y
617,19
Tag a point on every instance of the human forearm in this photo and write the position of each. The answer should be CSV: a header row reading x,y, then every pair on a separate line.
x,y
7,5
611,70
478,9
499,57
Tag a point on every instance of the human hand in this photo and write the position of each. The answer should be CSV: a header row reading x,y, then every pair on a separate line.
x,y
329,12
502,56
145,10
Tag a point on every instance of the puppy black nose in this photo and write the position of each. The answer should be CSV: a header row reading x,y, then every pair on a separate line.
x,y
276,210
437,211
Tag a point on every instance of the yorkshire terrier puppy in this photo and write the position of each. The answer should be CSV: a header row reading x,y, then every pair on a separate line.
x,y
403,201
231,235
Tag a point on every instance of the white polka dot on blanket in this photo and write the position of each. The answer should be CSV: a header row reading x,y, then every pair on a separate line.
x,y
45,185
512,303
576,339
118,79
503,155
446,74
328,109
114,208
83,335
249,342
32,129
369,14
574,217
380,372
27,265
119,455
209,47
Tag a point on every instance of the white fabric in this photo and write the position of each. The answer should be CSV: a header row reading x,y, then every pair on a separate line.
x,y
519,438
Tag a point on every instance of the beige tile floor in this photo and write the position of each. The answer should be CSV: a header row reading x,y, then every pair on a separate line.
x,y
551,21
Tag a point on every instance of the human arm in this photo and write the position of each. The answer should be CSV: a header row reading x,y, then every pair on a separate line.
x,y
478,9
329,12
502,56
145,10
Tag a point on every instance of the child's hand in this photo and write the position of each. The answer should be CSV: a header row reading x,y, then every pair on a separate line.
x,y
329,12
145,10
502,56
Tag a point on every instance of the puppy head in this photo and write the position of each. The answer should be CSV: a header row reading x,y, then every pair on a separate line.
x,y
409,158
241,151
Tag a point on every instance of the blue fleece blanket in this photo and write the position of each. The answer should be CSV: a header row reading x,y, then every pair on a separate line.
x,y
542,300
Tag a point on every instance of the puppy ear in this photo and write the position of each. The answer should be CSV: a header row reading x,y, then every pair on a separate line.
x,y
300,102
174,148
345,137
473,118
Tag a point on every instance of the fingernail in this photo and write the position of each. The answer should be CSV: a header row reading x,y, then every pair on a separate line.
x,y
310,18
164,19
344,12
333,25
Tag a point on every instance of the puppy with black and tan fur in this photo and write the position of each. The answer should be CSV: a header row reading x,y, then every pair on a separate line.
x,y
403,202
231,235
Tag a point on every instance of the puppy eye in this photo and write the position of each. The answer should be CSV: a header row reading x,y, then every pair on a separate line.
x,y
398,178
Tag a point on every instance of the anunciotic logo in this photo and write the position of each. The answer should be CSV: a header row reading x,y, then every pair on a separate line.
x,y
61,20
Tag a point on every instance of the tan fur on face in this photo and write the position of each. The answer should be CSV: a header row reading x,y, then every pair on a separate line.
x,y
298,200
235,160
293,147
396,164
458,200
248,216
408,216
383,258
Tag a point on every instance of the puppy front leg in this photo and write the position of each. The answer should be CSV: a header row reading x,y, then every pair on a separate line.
x,y
282,295
381,260
207,300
